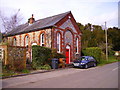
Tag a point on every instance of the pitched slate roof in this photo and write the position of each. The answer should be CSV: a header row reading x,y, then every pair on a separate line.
x,y
37,25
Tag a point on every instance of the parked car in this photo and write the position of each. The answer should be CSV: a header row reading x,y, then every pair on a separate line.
x,y
85,62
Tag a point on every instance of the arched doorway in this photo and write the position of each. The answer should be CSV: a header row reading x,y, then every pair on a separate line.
x,y
68,42
68,54
34,44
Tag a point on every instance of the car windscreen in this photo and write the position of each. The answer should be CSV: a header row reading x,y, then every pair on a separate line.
x,y
83,58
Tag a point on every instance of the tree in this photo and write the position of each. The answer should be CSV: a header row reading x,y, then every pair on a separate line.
x,y
86,38
94,36
114,38
81,26
9,23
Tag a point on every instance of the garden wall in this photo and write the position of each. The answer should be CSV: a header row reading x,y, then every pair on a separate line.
x,y
14,57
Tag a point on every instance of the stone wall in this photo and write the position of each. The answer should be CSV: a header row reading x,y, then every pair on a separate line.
x,y
34,37
15,57
3,53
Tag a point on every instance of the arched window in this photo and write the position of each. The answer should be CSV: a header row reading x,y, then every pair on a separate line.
x,y
58,42
42,39
77,45
14,41
26,40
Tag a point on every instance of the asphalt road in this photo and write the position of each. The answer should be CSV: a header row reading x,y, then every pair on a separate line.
x,y
97,77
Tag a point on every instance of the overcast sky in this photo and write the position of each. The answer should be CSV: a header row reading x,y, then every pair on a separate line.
x,y
85,11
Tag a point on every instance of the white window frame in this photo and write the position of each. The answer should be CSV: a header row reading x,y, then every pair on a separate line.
x,y
77,41
42,39
58,43
26,40
14,42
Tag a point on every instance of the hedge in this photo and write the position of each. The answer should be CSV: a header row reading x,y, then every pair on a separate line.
x,y
96,52
43,55
40,56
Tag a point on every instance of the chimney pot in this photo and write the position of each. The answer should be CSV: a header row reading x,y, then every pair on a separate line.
x,y
31,20
32,15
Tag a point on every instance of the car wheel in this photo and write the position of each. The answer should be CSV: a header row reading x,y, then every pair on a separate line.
x,y
86,66
94,64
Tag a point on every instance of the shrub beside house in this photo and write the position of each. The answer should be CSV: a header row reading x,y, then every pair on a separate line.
x,y
42,56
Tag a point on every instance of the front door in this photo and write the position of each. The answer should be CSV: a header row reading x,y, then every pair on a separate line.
x,y
67,56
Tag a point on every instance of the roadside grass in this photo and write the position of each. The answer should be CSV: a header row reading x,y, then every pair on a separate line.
x,y
25,71
7,73
111,59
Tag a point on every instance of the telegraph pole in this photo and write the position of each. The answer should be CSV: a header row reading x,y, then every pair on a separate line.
x,y
106,42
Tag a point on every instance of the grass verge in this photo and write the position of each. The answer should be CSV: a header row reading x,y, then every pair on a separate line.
x,y
110,60
6,72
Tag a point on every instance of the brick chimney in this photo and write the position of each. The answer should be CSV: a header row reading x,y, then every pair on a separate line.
x,y
31,20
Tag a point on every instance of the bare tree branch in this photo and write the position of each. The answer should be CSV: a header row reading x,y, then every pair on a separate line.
x,y
12,22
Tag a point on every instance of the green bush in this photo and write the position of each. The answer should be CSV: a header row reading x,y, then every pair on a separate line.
x,y
40,56
25,71
96,52
111,52
103,56
45,67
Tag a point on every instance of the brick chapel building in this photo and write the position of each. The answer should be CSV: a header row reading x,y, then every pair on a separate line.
x,y
59,32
